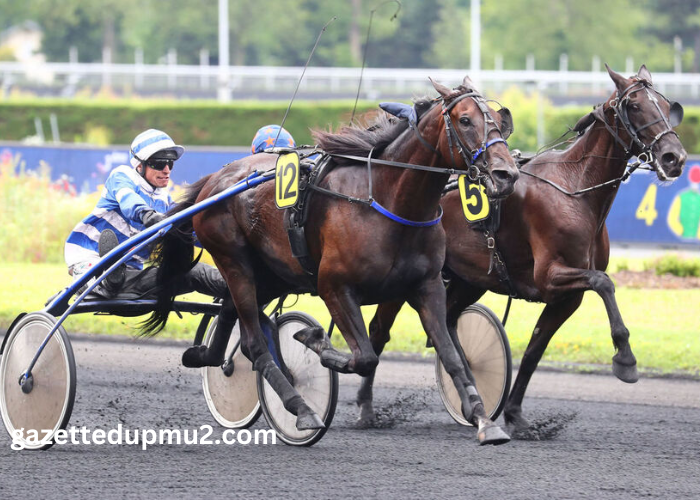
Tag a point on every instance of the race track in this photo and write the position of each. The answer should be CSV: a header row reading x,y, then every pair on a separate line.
x,y
601,439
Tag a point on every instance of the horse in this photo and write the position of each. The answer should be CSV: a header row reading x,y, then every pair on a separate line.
x,y
553,244
392,171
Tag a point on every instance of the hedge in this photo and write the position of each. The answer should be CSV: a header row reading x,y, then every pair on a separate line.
x,y
209,123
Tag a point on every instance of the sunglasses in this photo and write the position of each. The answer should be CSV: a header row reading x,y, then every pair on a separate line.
x,y
159,164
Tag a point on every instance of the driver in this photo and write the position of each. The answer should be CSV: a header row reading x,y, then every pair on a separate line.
x,y
134,197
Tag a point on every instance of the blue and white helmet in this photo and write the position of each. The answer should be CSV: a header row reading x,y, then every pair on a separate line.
x,y
150,142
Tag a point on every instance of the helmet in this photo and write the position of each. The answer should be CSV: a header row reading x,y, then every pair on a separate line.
x,y
153,143
265,139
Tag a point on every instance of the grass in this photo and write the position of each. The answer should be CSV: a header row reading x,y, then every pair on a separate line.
x,y
663,323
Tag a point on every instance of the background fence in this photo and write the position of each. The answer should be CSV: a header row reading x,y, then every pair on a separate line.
x,y
268,82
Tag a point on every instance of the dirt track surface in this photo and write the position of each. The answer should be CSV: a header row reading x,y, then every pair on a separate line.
x,y
603,439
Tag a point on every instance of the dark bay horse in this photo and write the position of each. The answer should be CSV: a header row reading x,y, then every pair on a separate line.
x,y
361,256
555,245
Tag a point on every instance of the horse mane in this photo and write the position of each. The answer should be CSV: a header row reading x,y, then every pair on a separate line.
x,y
375,131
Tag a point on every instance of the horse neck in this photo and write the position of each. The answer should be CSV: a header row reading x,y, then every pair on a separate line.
x,y
410,193
602,159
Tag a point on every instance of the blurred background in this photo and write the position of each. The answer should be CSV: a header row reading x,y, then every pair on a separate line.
x,y
79,79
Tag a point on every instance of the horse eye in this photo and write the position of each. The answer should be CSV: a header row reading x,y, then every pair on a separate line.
x,y
464,120
634,106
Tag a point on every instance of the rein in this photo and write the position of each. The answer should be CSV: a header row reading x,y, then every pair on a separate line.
x,y
619,107
631,167
473,171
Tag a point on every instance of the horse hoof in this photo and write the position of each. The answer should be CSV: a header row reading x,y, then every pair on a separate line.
x,y
309,421
516,424
367,415
626,373
193,357
313,337
492,434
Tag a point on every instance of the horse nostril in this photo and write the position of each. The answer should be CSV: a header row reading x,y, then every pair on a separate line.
x,y
505,176
669,159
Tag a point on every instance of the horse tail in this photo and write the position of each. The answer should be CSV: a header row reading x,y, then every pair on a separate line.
x,y
174,257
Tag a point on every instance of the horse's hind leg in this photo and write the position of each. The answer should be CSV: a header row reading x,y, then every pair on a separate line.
x,y
551,319
429,301
344,307
379,334
198,356
254,346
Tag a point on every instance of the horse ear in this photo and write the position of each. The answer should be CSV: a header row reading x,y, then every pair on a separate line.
x,y
467,83
644,73
620,81
506,122
441,89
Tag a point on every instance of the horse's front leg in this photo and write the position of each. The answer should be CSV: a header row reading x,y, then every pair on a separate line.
x,y
562,279
551,319
429,302
379,335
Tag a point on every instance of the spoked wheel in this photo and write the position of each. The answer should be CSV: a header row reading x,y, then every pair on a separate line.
x,y
231,391
484,343
33,418
315,383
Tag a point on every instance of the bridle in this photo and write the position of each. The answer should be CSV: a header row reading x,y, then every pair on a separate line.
x,y
619,105
474,170
645,156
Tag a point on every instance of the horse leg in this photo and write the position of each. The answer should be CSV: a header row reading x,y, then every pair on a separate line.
x,y
198,356
552,317
379,334
344,308
567,280
429,301
254,346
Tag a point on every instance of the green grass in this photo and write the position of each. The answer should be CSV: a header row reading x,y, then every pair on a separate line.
x,y
663,323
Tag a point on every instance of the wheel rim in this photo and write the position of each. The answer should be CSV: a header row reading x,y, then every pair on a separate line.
x,y
486,349
317,385
49,405
232,401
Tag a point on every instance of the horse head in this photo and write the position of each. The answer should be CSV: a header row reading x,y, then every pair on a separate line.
x,y
648,117
478,133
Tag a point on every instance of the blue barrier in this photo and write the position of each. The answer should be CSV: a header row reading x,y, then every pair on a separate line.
x,y
645,211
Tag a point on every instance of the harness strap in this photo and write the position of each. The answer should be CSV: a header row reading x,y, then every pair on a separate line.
x,y
376,161
403,221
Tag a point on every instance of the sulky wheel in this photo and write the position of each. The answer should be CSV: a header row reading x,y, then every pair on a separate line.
x,y
231,391
32,417
316,384
485,345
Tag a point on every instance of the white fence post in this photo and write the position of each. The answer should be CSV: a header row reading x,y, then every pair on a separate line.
x,y
107,64
138,63
204,63
563,68
172,68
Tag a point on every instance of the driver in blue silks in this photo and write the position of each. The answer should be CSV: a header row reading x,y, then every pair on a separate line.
x,y
134,197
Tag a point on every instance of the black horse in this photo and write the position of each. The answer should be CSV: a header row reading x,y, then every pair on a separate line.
x,y
552,237
360,253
